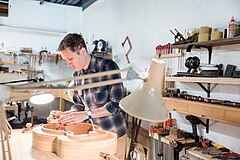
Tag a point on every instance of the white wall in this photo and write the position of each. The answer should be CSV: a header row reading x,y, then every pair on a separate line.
x,y
57,19
147,23
39,26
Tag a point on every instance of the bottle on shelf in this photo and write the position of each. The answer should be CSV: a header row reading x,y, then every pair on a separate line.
x,y
232,28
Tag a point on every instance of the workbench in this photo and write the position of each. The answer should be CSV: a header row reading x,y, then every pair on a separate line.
x,y
199,155
21,148
195,155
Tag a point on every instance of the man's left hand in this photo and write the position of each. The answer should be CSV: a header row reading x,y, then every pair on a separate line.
x,y
73,117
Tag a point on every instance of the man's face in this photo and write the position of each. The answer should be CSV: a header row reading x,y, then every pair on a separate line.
x,y
74,60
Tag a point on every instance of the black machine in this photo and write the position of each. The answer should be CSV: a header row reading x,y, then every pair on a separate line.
x,y
196,69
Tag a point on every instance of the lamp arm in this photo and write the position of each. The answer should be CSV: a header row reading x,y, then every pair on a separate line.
x,y
22,91
75,78
18,90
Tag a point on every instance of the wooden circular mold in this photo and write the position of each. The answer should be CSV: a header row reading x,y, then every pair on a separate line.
x,y
53,128
77,141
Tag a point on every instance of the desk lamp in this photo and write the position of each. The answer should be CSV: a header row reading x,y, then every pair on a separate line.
x,y
145,103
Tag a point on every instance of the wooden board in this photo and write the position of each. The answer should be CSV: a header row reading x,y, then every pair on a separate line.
x,y
211,111
21,148
231,81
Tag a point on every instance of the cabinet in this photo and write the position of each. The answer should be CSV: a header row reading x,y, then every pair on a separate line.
x,y
201,109
216,112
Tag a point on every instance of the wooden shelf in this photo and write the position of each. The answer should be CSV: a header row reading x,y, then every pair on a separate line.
x,y
167,140
15,64
216,112
213,43
172,55
231,81
6,77
20,54
107,55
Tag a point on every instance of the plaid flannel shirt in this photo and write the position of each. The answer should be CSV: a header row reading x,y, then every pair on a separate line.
x,y
104,96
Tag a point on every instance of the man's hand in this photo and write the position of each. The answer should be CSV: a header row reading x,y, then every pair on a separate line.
x,y
56,114
73,117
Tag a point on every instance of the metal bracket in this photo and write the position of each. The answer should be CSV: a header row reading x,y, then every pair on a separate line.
x,y
189,48
208,89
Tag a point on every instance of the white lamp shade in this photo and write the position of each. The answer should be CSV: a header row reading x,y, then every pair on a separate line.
x,y
146,102
41,98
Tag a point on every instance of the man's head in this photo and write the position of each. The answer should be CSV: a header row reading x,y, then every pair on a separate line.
x,y
73,49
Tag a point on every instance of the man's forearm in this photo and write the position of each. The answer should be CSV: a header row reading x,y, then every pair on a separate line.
x,y
100,112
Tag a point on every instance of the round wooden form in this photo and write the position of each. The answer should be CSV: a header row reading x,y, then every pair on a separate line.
x,y
77,141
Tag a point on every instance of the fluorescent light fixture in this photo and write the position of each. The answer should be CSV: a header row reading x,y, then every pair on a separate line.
x,y
41,99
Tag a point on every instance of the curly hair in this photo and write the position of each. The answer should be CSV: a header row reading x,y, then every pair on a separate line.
x,y
73,41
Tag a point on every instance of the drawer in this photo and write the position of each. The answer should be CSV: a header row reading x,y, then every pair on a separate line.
x,y
232,116
206,111
176,105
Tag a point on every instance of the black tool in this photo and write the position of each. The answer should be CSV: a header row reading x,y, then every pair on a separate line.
x,y
192,63
236,74
178,37
179,146
229,70
194,121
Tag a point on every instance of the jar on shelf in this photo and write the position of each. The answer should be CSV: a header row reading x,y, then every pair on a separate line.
x,y
232,28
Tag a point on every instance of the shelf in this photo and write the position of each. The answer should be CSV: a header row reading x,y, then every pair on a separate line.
x,y
14,64
231,81
167,140
25,54
205,110
6,77
20,54
213,43
173,55
105,55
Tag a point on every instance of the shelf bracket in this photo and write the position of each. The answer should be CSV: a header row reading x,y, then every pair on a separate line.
x,y
207,90
189,48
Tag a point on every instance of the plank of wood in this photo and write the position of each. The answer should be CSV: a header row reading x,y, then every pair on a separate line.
x,y
21,147
211,111
232,81
220,42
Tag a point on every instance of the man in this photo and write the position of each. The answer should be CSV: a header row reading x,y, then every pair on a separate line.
x,y
101,103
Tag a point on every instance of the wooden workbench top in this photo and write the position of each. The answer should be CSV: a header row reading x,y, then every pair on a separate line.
x,y
21,148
